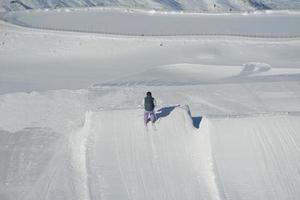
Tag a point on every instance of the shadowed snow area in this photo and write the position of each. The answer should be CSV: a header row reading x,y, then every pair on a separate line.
x,y
71,110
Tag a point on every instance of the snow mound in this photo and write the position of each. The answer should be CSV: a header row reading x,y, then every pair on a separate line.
x,y
178,74
125,160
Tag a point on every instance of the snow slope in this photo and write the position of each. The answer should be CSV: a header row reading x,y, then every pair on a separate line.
x,y
109,158
257,157
130,163
98,162
71,119
49,55
171,5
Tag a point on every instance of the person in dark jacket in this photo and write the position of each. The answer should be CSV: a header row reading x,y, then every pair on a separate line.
x,y
149,105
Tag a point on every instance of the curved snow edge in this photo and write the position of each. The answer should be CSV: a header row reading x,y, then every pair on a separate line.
x,y
12,18
157,12
206,151
78,147
208,167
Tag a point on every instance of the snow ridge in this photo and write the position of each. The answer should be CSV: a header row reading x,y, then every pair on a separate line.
x,y
78,147
206,150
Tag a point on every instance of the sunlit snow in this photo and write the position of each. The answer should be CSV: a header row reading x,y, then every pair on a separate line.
x,y
71,118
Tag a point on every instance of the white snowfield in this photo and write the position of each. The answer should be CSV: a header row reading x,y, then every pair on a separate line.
x,y
71,119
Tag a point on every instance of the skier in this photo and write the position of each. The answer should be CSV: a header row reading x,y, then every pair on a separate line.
x,y
149,105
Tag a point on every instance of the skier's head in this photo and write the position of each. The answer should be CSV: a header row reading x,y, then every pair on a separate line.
x,y
148,94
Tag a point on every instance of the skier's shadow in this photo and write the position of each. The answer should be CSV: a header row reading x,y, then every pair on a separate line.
x,y
165,111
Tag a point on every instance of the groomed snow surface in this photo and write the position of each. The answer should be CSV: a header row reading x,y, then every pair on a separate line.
x,y
71,117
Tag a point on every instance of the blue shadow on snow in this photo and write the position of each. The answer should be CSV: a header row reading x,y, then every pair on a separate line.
x,y
165,111
196,121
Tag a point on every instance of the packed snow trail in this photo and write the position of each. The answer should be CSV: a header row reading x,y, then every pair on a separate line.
x,y
125,161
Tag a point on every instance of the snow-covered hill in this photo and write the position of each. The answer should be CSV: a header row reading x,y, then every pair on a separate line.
x,y
71,117
170,5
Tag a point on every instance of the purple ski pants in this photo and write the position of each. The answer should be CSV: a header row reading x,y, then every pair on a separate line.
x,y
149,115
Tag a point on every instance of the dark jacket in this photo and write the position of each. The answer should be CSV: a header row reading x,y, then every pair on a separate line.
x,y
149,103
